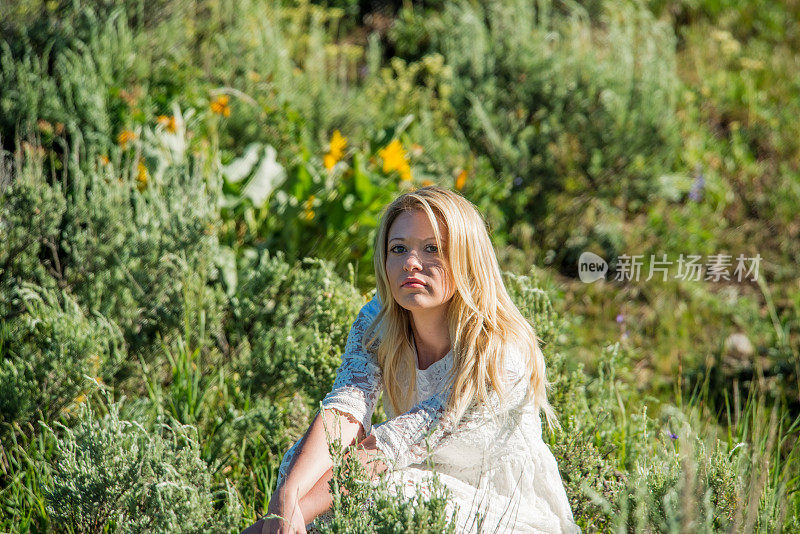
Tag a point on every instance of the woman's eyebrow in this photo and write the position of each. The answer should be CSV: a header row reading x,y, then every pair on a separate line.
x,y
432,238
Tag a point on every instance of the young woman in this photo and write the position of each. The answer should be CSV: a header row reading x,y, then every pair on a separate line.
x,y
462,375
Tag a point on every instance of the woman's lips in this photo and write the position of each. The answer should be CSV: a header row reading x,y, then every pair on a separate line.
x,y
413,284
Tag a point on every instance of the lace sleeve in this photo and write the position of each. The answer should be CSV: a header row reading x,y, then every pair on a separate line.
x,y
358,380
410,437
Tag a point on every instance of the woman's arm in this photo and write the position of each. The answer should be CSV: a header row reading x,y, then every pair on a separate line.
x,y
313,459
318,500
347,409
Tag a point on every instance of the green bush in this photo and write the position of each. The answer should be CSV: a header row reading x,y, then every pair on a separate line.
x,y
571,116
132,254
113,474
360,505
31,212
293,321
46,350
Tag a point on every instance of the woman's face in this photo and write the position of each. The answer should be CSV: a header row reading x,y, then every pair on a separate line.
x,y
411,253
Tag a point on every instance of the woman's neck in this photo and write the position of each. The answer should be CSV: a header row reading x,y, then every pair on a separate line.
x,y
431,336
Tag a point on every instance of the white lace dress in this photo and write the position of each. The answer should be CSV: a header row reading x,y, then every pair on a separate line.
x,y
498,468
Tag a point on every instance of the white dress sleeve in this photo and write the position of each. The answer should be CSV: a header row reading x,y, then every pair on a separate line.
x,y
410,437
358,380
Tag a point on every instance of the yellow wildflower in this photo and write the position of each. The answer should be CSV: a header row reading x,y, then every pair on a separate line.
x,y
309,208
104,159
395,159
335,150
426,183
461,180
168,122
141,176
125,137
220,105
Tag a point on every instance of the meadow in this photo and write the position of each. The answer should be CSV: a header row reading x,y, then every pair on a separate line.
x,y
189,192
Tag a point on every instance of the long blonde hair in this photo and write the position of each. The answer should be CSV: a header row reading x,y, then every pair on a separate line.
x,y
482,320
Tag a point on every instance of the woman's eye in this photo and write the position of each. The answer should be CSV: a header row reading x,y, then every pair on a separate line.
x,y
395,247
434,248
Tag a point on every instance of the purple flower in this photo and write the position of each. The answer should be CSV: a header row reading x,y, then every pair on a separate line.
x,y
673,435
518,181
696,193
620,318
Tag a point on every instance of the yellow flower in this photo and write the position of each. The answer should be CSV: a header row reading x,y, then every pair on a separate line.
x,y
167,122
395,159
141,176
335,150
426,183
80,399
329,161
104,159
125,137
337,144
220,105
461,180
309,208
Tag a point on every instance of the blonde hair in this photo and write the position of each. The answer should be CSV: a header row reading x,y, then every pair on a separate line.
x,y
482,320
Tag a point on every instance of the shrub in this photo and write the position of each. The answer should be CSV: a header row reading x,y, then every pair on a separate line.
x,y
113,474
293,321
360,505
129,253
570,115
45,353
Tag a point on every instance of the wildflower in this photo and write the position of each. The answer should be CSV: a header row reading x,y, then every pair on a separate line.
x,y
103,159
335,150
620,318
308,214
461,180
44,126
696,193
125,137
168,122
131,97
518,181
426,183
394,159
672,435
220,105
141,176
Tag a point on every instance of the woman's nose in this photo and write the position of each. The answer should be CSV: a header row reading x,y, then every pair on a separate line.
x,y
411,262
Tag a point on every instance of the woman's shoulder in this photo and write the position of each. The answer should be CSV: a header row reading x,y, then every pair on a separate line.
x,y
373,306
515,359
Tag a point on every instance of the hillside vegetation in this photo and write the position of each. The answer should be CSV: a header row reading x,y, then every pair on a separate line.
x,y
189,193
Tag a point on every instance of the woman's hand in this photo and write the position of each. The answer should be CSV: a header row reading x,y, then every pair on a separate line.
x,y
291,522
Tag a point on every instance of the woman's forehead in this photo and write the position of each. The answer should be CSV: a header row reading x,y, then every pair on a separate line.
x,y
417,224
